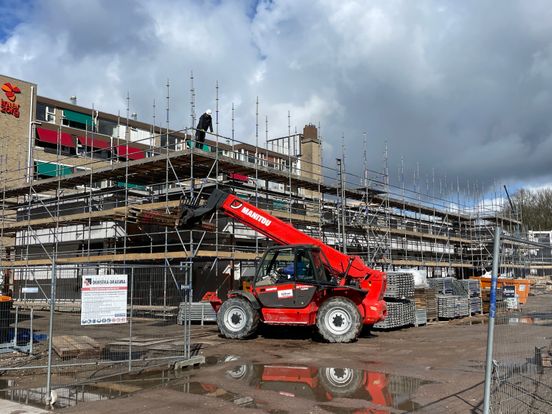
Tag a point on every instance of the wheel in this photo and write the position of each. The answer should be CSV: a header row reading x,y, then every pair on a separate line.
x,y
340,382
338,320
249,374
237,319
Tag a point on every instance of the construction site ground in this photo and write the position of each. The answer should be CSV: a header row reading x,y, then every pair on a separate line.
x,y
434,369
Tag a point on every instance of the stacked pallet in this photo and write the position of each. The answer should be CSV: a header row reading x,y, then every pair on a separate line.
x,y
400,285
443,285
399,297
452,306
399,314
473,287
421,317
431,304
425,300
198,312
475,305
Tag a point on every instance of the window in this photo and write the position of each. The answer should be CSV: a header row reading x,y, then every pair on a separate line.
x,y
45,113
107,127
277,267
303,267
170,143
100,154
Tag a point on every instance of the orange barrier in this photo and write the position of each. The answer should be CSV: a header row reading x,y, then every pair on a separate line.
x,y
521,286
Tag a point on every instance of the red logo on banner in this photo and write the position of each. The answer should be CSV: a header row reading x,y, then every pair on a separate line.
x,y
10,107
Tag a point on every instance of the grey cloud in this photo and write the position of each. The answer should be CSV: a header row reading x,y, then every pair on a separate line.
x,y
460,88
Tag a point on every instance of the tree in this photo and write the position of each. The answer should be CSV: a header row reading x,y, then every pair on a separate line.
x,y
534,206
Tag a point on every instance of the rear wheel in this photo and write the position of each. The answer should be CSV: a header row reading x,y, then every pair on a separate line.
x,y
237,319
338,320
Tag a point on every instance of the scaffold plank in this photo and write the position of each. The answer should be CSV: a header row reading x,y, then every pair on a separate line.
x,y
132,257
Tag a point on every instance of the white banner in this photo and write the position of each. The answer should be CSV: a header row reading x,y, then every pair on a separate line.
x,y
104,299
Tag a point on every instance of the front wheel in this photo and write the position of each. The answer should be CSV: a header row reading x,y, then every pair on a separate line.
x,y
338,320
237,319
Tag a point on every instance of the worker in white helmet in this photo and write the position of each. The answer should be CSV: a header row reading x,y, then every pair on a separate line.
x,y
205,122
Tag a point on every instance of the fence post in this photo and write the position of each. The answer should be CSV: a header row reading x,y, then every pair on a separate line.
x,y
130,319
492,314
15,333
31,331
51,331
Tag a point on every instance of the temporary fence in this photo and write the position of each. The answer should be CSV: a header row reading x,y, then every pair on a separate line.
x,y
519,367
108,317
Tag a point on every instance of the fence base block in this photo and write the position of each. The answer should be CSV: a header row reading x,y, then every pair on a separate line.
x,y
192,361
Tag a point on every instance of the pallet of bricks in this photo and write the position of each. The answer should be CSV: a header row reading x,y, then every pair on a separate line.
x,y
452,298
399,297
426,305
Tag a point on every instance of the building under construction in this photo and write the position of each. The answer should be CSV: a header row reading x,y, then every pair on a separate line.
x,y
77,182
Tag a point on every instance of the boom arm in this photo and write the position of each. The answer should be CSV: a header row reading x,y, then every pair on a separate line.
x,y
275,229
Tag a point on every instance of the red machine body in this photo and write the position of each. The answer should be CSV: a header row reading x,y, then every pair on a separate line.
x,y
371,282
302,281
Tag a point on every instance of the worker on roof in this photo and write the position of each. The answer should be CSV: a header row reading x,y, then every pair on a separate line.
x,y
205,122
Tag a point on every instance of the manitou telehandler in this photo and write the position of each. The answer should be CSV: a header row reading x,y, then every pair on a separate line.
x,y
301,282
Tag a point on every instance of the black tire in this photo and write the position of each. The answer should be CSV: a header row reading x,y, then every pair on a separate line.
x,y
249,374
237,319
338,320
340,382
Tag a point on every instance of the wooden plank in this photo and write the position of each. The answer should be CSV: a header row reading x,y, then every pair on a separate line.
x,y
63,348
71,346
131,257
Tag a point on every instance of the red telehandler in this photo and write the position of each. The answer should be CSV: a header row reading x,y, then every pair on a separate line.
x,y
301,282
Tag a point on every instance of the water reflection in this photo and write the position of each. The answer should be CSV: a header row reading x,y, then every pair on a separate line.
x,y
325,384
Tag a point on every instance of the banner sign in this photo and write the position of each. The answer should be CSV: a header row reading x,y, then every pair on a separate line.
x,y
104,299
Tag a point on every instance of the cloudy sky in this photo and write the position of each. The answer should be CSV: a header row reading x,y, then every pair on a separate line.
x,y
457,89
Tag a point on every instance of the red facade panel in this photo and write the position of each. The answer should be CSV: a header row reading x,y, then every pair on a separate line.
x,y
132,153
94,142
53,137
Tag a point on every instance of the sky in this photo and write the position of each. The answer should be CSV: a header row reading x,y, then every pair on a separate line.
x,y
459,92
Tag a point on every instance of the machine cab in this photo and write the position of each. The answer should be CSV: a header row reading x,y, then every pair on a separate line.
x,y
289,276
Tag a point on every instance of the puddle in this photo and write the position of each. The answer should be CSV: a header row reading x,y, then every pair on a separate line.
x,y
215,360
212,390
318,384
115,386
326,384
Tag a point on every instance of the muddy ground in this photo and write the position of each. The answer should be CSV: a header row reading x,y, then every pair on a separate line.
x,y
436,368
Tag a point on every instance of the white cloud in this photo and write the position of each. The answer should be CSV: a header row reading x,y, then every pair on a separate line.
x,y
454,86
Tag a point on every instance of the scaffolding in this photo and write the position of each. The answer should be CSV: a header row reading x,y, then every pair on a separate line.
x,y
82,211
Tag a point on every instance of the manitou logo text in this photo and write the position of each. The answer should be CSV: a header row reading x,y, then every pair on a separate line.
x,y
256,216
10,107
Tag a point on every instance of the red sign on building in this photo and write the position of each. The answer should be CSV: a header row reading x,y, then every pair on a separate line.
x,y
10,107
